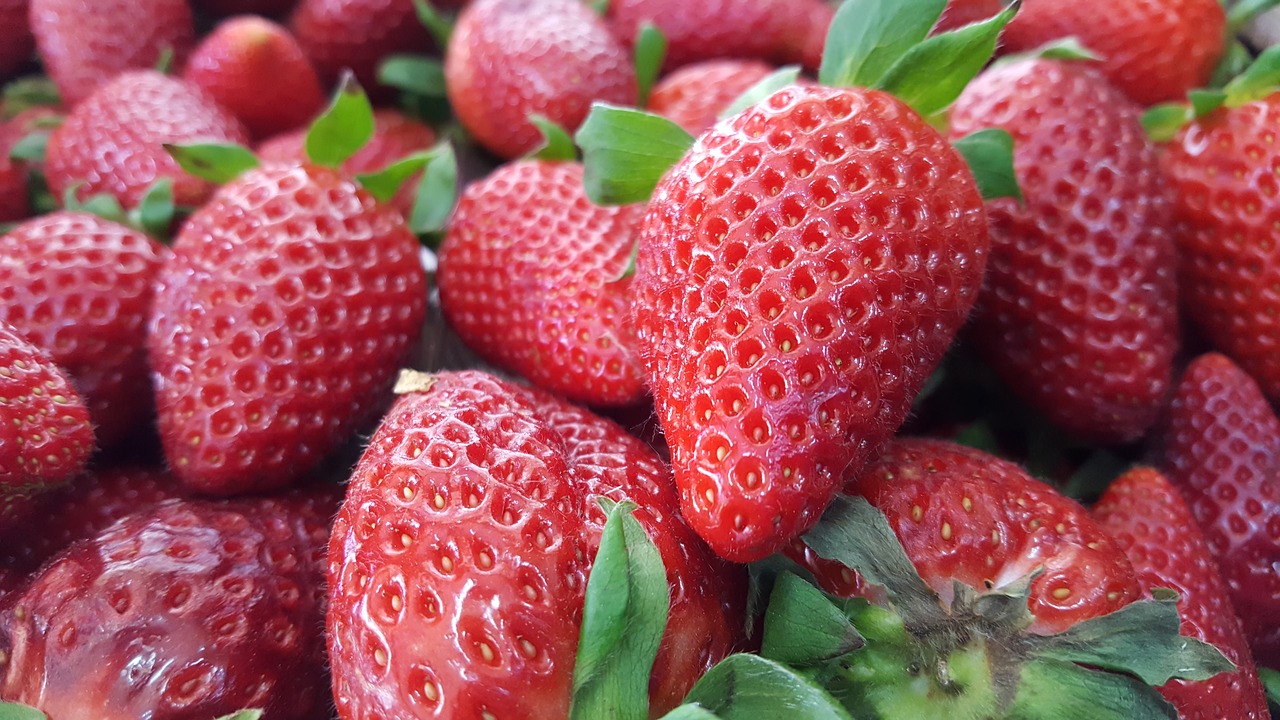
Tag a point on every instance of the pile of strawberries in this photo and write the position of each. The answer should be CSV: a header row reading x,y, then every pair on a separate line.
x,y
569,359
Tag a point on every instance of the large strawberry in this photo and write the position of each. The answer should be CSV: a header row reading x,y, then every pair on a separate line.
x,y
81,288
531,277
695,95
86,43
1079,309
1154,527
1222,451
356,34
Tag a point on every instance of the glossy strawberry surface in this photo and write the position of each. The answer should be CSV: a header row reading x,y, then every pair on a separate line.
x,y
695,95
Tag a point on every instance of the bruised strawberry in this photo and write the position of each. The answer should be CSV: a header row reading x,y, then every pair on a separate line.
x,y
531,277
18,43
356,34
694,96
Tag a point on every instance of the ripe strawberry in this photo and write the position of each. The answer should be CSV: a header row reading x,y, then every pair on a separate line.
x,y
192,609
959,13
1222,451
112,142
1154,527
289,303
459,560
80,287
356,35
567,59
1221,167
1153,50
531,279
18,43
86,43
801,271
254,68
1079,309
694,96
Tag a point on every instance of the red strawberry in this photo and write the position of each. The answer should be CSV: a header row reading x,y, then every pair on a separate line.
x,y
289,303
18,43
1153,526
1222,451
1222,167
1079,310
81,288
356,35
567,59
459,560
254,68
113,141
1153,50
959,13
801,271
86,43
694,96
531,278
192,610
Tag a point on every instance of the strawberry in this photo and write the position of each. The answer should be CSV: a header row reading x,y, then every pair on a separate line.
x,y
191,609
801,271
288,304
356,35
86,43
567,59
254,68
459,560
531,279
959,13
1153,526
80,287
1154,50
18,43
1079,309
1222,451
694,96
15,196
112,142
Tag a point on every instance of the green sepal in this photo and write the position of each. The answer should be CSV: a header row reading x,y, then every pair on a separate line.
x,y
690,712
979,436
650,51
217,163
1236,58
867,37
624,617
1068,48
803,628
632,259
164,61
1204,102
932,74
441,28
103,205
931,385
344,127
557,144
253,714
1162,122
1260,80
29,92
749,687
989,153
1244,11
154,214
437,193
31,148
416,74
16,711
1271,684
600,6
1057,690
766,86
626,152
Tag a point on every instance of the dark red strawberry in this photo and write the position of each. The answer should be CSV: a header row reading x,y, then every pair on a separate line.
x,y
80,287
356,35
694,96
531,277
255,68
113,141
18,43
959,13
289,303
1222,451
801,271
189,610
567,59
86,43
1153,50
1153,526
1079,309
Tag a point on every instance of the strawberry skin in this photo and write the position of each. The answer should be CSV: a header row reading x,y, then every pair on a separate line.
x,y
800,273
1222,169
289,303
694,96
567,60
356,34
1153,526
959,13
18,43
531,278
81,288
1153,50
1079,308
112,142
1222,451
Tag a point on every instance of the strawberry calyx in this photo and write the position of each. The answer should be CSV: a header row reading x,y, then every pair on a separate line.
x,y
1260,79
650,51
153,215
18,711
557,145
440,26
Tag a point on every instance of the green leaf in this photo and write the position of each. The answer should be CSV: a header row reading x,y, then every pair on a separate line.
x,y
154,213
651,49
556,143
1068,48
1244,11
1271,683
30,148
1235,60
749,687
214,162
989,153
344,127
417,74
15,711
1162,122
28,92
385,183
437,193
254,714
103,205
624,616
435,23
626,152
931,75
1093,476
766,86
1204,102
867,37
1057,690
600,6
164,62
803,628
1259,81
690,712
979,436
